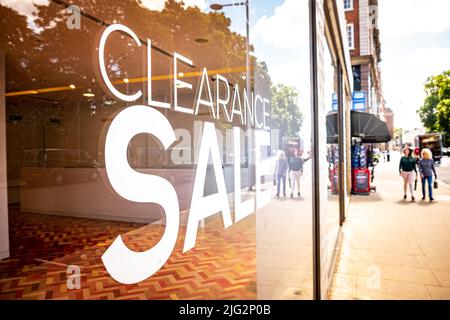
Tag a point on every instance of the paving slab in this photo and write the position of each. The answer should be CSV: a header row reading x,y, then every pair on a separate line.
x,y
394,248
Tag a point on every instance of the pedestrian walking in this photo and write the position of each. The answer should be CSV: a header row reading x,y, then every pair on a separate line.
x,y
416,155
295,172
281,169
427,170
408,172
388,155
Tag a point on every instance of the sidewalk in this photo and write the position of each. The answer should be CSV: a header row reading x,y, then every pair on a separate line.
x,y
392,248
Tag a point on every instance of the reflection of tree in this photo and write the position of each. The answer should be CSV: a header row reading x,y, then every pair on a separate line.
x,y
15,38
60,52
59,56
286,114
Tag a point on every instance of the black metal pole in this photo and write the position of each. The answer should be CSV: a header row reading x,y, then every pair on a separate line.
x,y
248,89
315,151
341,141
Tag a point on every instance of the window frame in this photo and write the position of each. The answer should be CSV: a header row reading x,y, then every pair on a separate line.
x,y
351,5
351,45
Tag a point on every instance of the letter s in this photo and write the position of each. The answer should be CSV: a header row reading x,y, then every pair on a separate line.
x,y
124,265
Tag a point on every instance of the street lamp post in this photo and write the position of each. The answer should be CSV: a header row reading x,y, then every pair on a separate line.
x,y
217,7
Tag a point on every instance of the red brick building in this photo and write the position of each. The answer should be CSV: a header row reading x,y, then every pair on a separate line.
x,y
365,49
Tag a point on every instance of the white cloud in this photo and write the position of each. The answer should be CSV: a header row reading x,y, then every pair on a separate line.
x,y
293,73
406,67
287,28
158,5
201,4
27,8
408,17
403,81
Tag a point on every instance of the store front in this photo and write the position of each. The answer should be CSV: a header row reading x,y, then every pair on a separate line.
x,y
169,150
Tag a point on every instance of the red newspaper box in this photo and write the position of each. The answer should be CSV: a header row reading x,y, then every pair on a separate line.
x,y
361,181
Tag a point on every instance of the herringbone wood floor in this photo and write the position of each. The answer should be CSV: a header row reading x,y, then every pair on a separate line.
x,y
221,266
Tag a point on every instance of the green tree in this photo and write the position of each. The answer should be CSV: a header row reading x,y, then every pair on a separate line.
x,y
435,113
286,114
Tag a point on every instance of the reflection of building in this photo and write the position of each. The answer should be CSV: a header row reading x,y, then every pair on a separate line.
x,y
389,118
364,44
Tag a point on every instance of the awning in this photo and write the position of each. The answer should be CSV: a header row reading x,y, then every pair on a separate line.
x,y
366,126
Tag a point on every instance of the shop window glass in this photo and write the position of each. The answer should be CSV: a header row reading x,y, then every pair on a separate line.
x,y
328,145
207,122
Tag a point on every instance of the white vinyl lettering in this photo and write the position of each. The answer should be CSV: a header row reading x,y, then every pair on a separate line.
x,y
209,103
258,124
262,168
201,206
234,111
127,266
101,57
178,84
219,100
124,265
151,102
241,209
266,102
248,107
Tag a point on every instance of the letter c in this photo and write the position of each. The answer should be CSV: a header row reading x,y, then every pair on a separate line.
x,y
124,265
101,59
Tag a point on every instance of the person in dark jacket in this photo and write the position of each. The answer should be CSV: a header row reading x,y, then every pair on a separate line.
x,y
426,169
281,169
408,172
295,172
